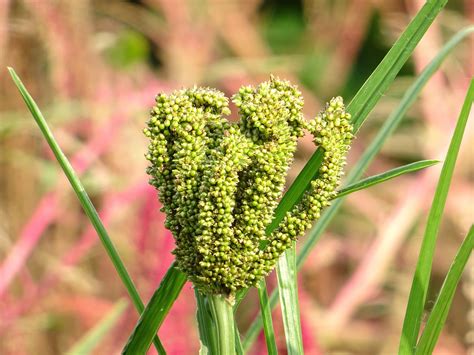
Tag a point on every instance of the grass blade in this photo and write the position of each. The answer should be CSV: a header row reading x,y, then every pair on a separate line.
x,y
295,191
257,323
387,175
92,338
81,194
155,312
387,70
439,313
357,171
288,290
239,350
419,287
267,318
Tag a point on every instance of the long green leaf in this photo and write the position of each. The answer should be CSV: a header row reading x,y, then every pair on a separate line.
x,y
288,290
295,191
375,86
93,337
257,323
84,199
155,312
267,318
439,313
421,279
369,154
239,350
387,175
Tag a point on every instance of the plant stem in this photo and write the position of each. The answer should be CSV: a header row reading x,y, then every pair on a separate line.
x,y
216,319
223,315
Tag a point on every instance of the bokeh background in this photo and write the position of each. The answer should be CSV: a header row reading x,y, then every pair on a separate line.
x,y
94,67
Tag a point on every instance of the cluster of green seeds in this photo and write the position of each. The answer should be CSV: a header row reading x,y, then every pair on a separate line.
x,y
220,182
332,132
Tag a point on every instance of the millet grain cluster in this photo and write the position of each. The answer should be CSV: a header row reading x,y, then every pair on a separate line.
x,y
220,182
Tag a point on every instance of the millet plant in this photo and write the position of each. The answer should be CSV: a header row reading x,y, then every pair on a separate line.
x,y
221,183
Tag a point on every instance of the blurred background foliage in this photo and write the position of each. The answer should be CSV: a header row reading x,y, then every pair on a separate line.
x,y
94,67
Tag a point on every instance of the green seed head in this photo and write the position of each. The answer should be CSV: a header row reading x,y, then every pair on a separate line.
x,y
220,182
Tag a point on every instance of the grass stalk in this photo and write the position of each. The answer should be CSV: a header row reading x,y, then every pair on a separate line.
x,y
223,316
267,318
217,329
84,200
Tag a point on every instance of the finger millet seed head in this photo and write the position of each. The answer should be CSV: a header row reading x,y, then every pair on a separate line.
x,y
220,182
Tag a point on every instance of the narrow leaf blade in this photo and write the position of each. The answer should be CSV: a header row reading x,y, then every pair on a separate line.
x,y
239,350
83,198
419,288
267,318
375,86
383,134
155,312
387,175
288,290
256,326
440,310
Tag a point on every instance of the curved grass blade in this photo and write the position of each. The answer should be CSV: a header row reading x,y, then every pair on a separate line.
x,y
373,89
92,338
387,175
288,290
440,310
356,173
83,198
267,318
421,279
155,312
